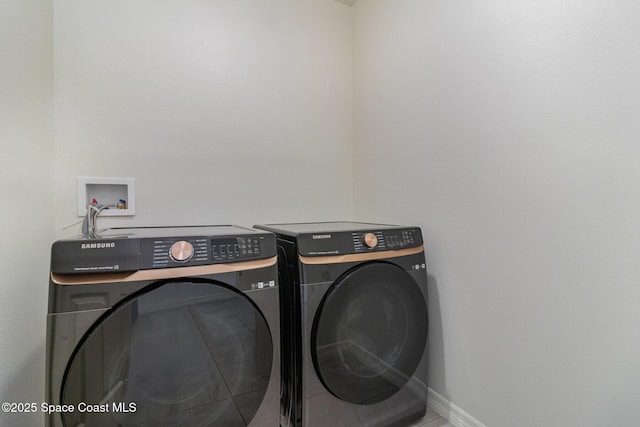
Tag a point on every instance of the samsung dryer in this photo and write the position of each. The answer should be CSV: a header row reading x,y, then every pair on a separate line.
x,y
164,327
354,323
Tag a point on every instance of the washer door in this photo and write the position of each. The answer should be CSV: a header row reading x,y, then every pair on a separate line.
x,y
369,333
178,353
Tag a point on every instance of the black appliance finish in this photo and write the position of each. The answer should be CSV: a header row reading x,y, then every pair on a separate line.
x,y
354,323
164,326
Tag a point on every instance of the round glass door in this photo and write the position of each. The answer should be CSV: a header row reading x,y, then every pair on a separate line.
x,y
369,333
179,354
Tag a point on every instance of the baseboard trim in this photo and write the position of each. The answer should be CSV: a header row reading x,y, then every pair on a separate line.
x,y
451,412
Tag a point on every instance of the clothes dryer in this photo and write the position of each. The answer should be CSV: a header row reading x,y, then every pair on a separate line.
x,y
164,327
355,323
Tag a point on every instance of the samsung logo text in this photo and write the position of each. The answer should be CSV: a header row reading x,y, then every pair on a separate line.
x,y
102,245
321,236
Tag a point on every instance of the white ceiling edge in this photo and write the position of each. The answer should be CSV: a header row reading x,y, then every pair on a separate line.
x,y
347,2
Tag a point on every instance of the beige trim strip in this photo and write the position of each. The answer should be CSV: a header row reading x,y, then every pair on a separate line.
x,y
335,259
160,274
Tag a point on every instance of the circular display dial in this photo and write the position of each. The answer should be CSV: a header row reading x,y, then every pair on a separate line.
x,y
181,251
370,240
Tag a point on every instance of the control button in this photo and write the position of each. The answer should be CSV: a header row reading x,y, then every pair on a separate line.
x,y
370,240
181,251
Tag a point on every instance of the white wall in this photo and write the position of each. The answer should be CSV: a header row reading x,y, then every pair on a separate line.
x,y
26,222
212,106
506,130
509,131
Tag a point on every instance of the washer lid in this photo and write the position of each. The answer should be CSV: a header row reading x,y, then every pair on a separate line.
x,y
369,333
180,230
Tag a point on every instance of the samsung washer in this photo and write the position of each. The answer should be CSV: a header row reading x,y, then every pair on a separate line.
x,y
164,327
354,325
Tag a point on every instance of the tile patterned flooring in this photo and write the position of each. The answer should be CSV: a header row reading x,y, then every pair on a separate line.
x,y
432,419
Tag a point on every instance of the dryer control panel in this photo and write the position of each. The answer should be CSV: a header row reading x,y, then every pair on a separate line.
x,y
385,240
360,241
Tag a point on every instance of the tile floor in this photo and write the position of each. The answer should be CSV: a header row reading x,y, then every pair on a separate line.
x,y
432,419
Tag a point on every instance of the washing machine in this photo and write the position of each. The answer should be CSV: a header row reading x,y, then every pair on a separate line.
x,y
354,323
164,326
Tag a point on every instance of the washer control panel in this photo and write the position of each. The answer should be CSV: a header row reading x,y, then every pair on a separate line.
x,y
186,251
169,251
234,248
181,251
131,249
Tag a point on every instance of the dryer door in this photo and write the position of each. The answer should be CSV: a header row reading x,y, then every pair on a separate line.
x,y
369,333
194,353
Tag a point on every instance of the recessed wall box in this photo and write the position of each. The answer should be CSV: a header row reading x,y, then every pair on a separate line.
x,y
107,191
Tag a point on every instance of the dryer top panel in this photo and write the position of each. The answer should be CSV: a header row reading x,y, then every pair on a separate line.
x,y
339,238
130,249
323,227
